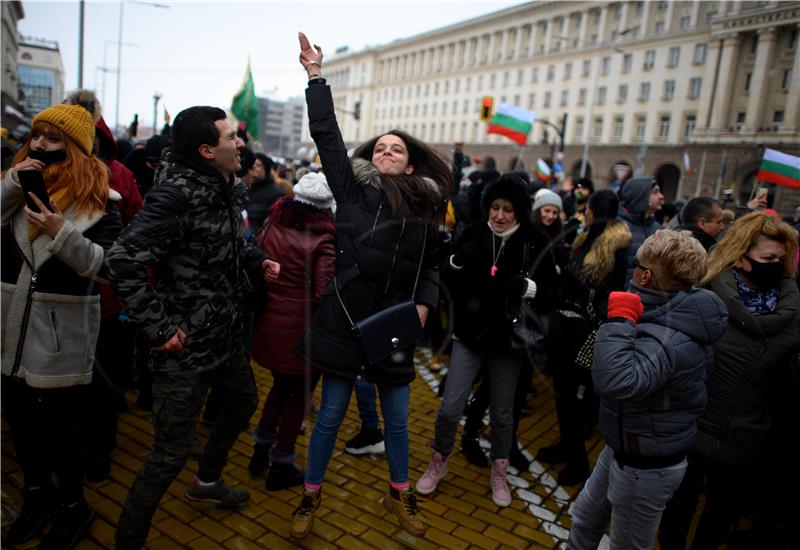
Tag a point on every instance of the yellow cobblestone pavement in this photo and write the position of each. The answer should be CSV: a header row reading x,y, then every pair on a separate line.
x,y
460,514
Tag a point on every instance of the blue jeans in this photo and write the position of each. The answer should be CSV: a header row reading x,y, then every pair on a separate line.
x,y
336,392
367,409
632,499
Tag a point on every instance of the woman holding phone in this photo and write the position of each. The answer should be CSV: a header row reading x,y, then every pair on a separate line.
x,y
52,259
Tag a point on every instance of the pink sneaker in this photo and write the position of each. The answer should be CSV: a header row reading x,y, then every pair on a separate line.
x,y
433,475
500,493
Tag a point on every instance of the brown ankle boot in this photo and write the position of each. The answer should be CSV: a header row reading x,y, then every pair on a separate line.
x,y
303,516
403,504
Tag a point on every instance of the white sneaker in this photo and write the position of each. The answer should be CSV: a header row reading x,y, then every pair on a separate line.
x,y
437,468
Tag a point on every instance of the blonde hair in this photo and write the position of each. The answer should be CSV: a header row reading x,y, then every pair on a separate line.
x,y
743,235
679,258
85,176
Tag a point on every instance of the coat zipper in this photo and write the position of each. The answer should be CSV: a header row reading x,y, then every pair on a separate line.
x,y
394,256
375,223
24,329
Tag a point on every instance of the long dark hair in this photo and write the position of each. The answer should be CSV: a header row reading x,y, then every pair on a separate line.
x,y
411,193
604,205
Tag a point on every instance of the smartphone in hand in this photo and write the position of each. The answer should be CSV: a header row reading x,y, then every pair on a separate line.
x,y
32,181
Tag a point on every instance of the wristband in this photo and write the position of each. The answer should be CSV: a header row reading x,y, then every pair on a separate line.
x,y
317,63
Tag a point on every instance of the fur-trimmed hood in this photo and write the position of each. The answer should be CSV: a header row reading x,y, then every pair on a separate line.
x,y
365,173
599,261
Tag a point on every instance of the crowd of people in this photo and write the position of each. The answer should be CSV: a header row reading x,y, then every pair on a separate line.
x,y
189,260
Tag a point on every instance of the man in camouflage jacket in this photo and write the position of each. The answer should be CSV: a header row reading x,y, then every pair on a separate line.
x,y
190,233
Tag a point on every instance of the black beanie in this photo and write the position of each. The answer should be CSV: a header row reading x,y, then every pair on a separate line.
x,y
154,146
512,189
586,183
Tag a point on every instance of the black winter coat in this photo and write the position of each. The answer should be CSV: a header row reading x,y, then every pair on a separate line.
x,y
260,198
377,259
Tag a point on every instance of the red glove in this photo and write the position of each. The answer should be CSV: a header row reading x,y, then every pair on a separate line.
x,y
625,304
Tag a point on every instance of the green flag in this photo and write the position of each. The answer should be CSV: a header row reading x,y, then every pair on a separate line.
x,y
245,104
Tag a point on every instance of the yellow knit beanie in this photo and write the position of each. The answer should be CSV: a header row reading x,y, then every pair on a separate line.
x,y
75,121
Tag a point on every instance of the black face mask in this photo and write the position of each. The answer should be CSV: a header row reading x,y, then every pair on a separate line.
x,y
48,157
764,274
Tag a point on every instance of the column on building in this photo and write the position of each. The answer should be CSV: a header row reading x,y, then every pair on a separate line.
x,y
669,16
518,42
726,76
548,35
469,51
583,28
791,117
603,25
566,43
645,21
759,83
708,86
504,39
533,52
695,17
623,20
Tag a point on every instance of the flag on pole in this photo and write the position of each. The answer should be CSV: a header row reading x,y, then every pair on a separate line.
x,y
686,164
245,104
542,171
513,122
780,169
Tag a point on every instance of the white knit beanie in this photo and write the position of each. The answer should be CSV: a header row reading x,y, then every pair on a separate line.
x,y
313,189
545,197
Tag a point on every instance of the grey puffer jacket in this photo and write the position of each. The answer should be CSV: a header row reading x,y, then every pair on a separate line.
x,y
651,377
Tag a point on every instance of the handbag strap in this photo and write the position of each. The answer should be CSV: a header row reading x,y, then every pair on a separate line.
x,y
413,292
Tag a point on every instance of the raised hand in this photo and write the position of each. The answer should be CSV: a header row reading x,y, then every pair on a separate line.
x,y
310,58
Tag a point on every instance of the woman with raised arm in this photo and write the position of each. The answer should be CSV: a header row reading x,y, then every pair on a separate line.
x,y
389,198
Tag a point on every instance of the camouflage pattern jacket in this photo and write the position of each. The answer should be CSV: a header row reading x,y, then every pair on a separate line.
x,y
191,233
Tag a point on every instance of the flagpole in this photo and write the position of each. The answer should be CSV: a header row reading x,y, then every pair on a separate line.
x,y
518,164
700,175
719,179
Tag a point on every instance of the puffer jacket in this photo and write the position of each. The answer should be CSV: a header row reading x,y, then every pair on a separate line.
x,y
634,198
301,238
650,377
191,232
50,320
735,425
377,260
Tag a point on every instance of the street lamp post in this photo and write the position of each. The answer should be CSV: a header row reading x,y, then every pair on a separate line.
x,y
156,98
105,68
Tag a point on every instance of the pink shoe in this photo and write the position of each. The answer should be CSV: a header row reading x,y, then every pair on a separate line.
x,y
433,475
500,493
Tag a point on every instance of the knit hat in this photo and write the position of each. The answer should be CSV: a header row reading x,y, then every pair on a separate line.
x,y
313,189
545,197
154,146
75,121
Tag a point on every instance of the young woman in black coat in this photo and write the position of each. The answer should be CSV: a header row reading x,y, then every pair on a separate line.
x,y
389,199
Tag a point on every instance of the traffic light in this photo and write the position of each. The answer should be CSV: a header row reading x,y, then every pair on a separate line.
x,y
357,110
487,106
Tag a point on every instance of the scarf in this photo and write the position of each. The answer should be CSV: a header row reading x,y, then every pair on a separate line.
x,y
62,196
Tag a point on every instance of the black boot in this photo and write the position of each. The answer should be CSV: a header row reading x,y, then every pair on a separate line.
x,y
69,526
574,473
283,476
35,505
260,459
518,460
553,454
471,449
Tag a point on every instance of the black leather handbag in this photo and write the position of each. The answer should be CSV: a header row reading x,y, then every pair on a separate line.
x,y
392,329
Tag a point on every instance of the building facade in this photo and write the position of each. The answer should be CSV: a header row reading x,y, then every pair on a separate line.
x,y
642,82
40,74
11,13
281,125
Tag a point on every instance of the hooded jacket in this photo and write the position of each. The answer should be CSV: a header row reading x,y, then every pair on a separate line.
x,y
191,232
50,325
261,196
734,427
650,377
634,198
378,258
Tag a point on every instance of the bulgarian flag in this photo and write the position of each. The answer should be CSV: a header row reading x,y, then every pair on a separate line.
x,y
513,122
542,171
780,169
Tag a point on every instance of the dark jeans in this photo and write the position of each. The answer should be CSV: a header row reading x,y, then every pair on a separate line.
x,y
106,394
177,398
46,431
284,409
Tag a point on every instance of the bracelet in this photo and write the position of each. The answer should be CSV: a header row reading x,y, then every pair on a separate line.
x,y
315,77
317,63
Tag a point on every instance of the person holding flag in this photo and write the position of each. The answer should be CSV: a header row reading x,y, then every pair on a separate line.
x,y
245,107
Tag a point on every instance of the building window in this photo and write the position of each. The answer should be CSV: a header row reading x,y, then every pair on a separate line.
x,y
468,84
641,126
547,97
684,22
754,44
564,98
433,109
659,27
587,68
669,90
465,106
535,75
492,81
551,72
694,87
578,127
622,93
635,31
689,125
601,95
639,8
777,120
619,126
435,89
786,79
649,59
740,117
674,56
792,39
747,80
517,99
700,53
663,127
457,86
568,71
598,127
480,83
606,66
644,91
532,101
627,62
582,96
520,77
709,16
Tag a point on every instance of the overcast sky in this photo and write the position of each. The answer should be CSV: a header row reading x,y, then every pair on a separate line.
x,y
196,52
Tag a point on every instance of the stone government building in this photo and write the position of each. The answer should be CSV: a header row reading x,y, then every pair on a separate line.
x,y
643,81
